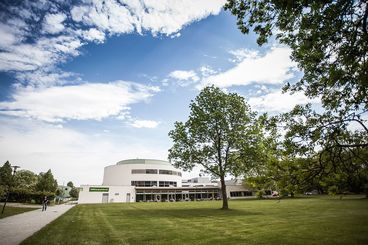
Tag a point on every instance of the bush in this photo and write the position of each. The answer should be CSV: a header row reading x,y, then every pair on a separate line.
x,y
260,193
332,190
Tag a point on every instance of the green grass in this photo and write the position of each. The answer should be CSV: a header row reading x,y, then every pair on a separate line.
x,y
9,211
291,221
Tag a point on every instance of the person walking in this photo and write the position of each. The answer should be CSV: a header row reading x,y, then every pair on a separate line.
x,y
44,203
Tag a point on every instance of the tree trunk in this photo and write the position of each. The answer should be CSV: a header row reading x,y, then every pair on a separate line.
x,y
225,205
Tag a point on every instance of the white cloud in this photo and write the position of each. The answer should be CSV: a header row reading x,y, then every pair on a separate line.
x,y
25,49
94,35
45,52
165,16
71,155
278,102
80,102
46,78
184,75
145,124
206,71
53,23
241,54
272,68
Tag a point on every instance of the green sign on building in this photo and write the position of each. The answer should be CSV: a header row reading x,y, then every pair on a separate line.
x,y
99,189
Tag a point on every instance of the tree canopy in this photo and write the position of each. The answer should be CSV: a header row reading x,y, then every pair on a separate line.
x,y
329,41
221,135
46,182
6,175
70,184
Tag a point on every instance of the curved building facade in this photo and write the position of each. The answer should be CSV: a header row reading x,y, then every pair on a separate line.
x,y
142,173
149,180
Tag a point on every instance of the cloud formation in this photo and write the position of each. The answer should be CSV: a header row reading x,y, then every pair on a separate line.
x,y
39,34
79,102
145,124
278,102
274,67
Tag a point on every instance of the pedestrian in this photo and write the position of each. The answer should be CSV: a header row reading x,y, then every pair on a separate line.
x,y
44,203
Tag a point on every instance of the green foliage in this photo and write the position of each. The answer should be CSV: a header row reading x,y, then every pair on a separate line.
x,y
74,192
2,192
329,41
46,182
70,184
222,135
260,193
25,179
6,175
332,190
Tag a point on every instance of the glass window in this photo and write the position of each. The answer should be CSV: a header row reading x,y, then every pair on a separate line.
x,y
144,183
151,171
138,171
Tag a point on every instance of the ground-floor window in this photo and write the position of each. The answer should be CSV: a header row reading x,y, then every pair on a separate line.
x,y
240,193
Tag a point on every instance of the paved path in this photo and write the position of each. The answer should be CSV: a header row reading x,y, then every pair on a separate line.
x,y
14,229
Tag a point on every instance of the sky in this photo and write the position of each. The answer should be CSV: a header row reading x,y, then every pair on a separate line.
x,y
85,84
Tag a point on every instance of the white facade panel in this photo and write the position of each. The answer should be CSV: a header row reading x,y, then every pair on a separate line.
x,y
121,174
106,194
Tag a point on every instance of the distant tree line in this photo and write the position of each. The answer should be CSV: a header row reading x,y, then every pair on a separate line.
x,y
25,185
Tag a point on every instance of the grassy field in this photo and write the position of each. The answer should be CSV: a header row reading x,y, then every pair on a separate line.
x,y
9,211
291,221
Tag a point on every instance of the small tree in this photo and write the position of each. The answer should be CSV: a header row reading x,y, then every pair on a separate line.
x,y
46,182
6,175
74,192
70,184
221,135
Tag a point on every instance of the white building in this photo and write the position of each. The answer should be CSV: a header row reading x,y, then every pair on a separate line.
x,y
144,180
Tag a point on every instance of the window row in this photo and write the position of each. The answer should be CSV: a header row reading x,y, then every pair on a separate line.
x,y
240,193
154,171
153,183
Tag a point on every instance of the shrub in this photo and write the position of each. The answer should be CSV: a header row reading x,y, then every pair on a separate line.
x,y
332,190
260,193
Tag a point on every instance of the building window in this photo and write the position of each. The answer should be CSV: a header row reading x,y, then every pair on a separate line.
x,y
144,171
166,183
151,171
143,183
169,172
240,193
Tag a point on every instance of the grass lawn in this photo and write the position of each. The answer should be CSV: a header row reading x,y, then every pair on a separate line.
x,y
291,221
9,211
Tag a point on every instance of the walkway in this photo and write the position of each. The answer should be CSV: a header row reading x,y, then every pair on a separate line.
x,y
14,229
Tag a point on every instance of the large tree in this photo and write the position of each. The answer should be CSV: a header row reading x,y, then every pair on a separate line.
x,y
221,135
329,41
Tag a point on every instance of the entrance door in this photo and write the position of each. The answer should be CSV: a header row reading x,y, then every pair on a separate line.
x,y
105,197
128,197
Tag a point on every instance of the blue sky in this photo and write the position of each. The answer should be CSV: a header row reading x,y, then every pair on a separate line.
x,y
85,84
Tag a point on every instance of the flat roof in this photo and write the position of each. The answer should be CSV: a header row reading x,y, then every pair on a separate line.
x,y
143,161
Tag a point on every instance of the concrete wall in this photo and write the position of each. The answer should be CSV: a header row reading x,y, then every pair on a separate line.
x,y
121,174
115,194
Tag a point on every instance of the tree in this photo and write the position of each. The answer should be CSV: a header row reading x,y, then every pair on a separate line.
x,y
25,179
46,182
329,41
6,175
70,184
74,192
221,135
